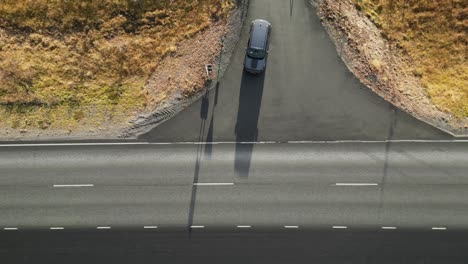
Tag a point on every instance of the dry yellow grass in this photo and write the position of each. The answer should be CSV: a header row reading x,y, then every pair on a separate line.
x,y
433,33
65,63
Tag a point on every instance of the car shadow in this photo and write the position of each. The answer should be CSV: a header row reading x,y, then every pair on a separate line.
x,y
246,130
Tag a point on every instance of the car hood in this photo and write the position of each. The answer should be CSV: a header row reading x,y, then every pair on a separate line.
x,y
254,64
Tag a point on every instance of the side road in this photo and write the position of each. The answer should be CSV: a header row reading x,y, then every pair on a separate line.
x,y
306,93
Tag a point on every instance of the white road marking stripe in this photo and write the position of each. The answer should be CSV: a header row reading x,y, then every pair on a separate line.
x,y
339,227
150,227
244,226
197,226
389,227
213,183
378,141
10,228
73,144
290,226
103,227
355,184
72,185
228,142
56,228
439,228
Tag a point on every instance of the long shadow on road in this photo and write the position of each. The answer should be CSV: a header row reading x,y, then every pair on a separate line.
x,y
204,111
246,130
234,247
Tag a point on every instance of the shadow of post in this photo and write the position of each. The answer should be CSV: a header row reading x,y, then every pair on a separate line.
x,y
209,136
250,99
204,111
391,131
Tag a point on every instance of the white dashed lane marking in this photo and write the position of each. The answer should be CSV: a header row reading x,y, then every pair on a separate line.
x,y
441,228
339,227
213,184
72,185
355,184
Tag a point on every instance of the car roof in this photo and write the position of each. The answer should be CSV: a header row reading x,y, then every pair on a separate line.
x,y
259,33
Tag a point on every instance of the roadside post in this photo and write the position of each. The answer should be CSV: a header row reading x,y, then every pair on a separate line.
x,y
220,59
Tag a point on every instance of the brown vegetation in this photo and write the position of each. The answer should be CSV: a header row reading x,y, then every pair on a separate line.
x,y
433,34
65,64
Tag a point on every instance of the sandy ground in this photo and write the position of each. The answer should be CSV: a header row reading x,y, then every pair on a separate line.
x,y
381,66
176,82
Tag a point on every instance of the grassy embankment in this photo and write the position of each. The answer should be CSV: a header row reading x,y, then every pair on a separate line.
x,y
65,64
433,34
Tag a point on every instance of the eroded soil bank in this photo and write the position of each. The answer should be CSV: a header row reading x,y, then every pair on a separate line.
x,y
381,65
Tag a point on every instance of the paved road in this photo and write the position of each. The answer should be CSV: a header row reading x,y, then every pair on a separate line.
x,y
412,186
343,247
307,93
300,201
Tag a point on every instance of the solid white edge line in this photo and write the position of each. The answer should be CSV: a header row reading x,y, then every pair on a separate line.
x,y
244,226
150,227
230,142
355,184
439,228
73,144
287,226
213,184
389,227
339,227
72,185
56,228
10,228
103,227
197,226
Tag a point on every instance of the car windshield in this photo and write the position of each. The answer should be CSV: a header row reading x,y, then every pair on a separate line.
x,y
256,53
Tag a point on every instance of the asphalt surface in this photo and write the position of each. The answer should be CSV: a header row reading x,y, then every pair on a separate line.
x,y
290,197
306,93
394,247
417,186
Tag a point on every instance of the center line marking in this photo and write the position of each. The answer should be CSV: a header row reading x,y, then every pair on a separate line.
x,y
197,226
291,226
103,227
72,185
355,184
56,228
150,227
10,228
439,228
339,227
213,183
388,227
244,226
